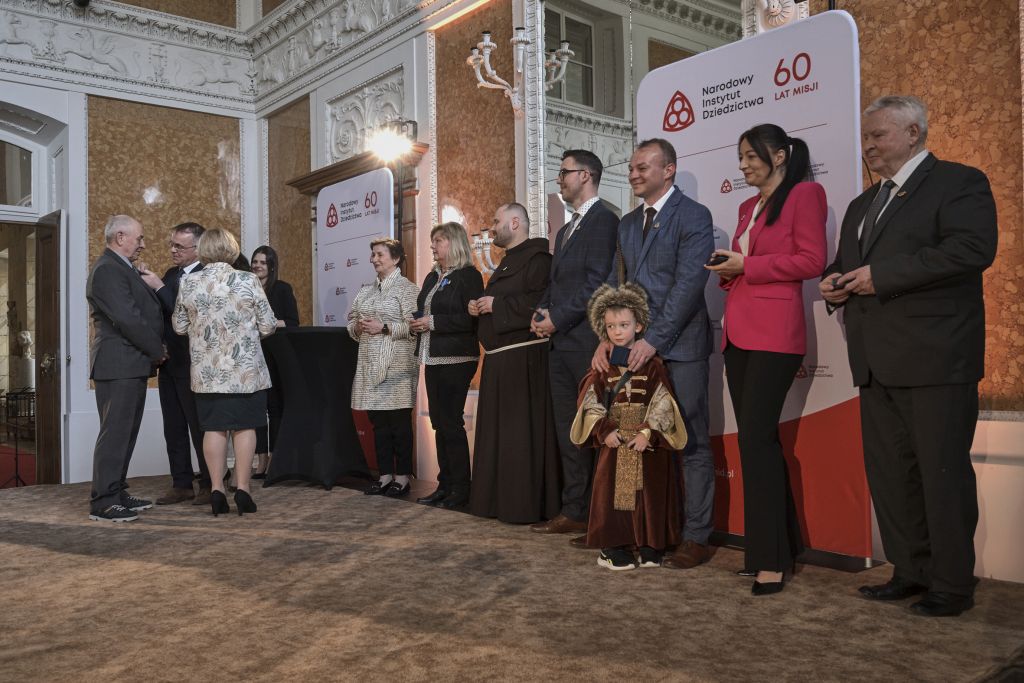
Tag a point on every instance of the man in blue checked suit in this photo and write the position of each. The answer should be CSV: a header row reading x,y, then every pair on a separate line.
x,y
664,244
584,248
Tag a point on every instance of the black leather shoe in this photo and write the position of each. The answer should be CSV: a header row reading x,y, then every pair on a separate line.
x,y
895,589
434,498
396,490
767,588
377,488
937,604
454,500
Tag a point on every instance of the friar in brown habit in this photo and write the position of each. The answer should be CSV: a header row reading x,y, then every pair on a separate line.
x,y
515,456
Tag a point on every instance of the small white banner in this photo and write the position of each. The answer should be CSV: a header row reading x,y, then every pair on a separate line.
x,y
349,215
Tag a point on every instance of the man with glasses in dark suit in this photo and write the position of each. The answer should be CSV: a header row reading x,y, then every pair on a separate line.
x,y
177,403
584,248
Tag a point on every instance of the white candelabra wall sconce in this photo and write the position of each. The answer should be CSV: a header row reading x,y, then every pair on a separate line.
x,y
480,59
482,248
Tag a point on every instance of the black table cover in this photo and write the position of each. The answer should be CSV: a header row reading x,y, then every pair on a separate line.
x,y
313,367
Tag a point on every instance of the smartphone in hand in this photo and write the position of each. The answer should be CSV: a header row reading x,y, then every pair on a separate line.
x,y
717,260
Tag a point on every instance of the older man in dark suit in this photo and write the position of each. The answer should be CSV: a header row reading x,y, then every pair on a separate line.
x,y
126,349
664,244
584,248
908,274
177,403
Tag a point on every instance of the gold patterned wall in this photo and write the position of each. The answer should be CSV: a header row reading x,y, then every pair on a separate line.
x,y
291,233
661,54
964,61
163,166
220,12
475,126
270,5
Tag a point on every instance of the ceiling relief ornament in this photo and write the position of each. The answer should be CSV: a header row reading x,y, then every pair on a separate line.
x,y
714,18
611,139
353,116
764,15
125,50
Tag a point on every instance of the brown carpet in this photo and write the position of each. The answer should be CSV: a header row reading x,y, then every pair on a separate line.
x,y
333,585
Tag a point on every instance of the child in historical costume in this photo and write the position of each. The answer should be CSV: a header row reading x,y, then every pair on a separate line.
x,y
634,420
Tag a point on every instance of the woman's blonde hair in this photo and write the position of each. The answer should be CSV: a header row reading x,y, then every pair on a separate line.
x,y
460,254
218,245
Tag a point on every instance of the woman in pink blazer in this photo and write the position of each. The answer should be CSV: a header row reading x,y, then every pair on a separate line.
x,y
779,243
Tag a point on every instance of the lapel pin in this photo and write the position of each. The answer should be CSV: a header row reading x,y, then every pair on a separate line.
x,y
901,193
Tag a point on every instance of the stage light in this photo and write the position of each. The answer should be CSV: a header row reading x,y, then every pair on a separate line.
x,y
393,140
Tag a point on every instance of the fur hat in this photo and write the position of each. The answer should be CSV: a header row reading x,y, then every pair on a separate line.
x,y
630,295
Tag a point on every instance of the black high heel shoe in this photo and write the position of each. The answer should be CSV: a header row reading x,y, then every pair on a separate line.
x,y
219,503
244,502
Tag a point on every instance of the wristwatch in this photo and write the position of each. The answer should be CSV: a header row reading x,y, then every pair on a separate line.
x,y
385,329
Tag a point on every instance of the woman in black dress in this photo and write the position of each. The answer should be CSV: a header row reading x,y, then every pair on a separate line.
x,y
265,266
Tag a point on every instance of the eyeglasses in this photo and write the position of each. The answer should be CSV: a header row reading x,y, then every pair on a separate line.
x,y
180,247
566,171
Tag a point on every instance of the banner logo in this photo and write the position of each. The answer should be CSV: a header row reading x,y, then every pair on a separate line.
x,y
329,318
726,187
351,262
801,373
329,266
332,216
678,114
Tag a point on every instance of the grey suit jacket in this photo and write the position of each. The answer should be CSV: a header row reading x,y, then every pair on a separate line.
x,y
670,267
127,321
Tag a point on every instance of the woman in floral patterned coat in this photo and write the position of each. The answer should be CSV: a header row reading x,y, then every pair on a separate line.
x,y
225,313
387,369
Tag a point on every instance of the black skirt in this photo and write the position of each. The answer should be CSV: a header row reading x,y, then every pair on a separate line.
x,y
232,412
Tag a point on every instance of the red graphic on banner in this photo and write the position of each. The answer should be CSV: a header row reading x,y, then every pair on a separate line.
x,y
801,373
726,186
678,114
332,217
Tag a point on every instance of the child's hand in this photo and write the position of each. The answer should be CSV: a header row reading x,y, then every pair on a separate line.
x,y
613,440
639,443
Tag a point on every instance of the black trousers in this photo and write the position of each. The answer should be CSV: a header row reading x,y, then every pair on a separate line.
x,y
917,455
120,403
265,439
566,369
178,407
392,439
447,387
758,384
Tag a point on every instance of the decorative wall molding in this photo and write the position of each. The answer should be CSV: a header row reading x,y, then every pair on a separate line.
x,y
352,116
435,204
533,108
718,20
610,138
122,49
117,49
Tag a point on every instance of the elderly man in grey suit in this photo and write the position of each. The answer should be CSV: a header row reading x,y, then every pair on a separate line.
x,y
126,349
663,246
584,248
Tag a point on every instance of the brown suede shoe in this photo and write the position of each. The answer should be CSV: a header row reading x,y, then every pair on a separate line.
x,y
687,556
175,495
579,542
203,497
559,525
